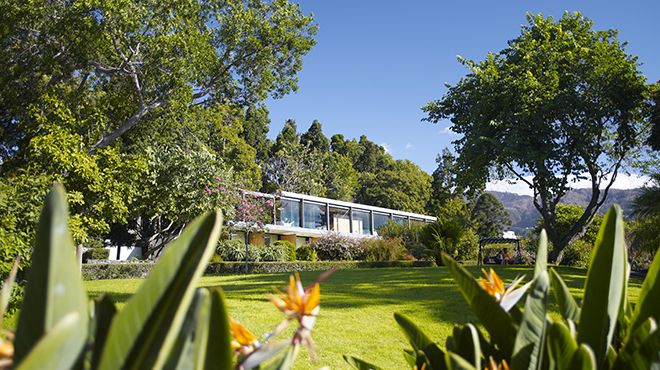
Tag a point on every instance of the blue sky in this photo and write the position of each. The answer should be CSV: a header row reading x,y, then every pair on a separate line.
x,y
376,63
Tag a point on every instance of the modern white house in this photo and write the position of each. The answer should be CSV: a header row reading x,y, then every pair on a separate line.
x,y
301,219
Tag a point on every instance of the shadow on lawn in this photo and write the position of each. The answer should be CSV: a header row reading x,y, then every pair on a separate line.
x,y
430,290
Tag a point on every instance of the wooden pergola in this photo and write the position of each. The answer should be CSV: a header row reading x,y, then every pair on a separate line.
x,y
515,242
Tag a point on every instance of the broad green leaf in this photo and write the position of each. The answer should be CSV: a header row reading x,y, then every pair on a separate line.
x,y
218,351
541,263
286,362
52,351
466,344
54,287
263,354
456,362
410,356
421,342
649,296
358,364
190,346
492,316
568,308
530,339
143,333
104,312
583,358
604,288
648,354
561,345
635,342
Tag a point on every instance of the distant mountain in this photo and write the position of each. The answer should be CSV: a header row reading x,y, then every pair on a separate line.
x,y
524,215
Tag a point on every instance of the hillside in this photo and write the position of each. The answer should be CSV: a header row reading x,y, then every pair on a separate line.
x,y
524,215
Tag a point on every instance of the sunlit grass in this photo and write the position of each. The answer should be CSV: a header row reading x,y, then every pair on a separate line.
x,y
356,307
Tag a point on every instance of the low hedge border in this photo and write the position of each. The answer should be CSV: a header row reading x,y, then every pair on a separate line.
x,y
141,270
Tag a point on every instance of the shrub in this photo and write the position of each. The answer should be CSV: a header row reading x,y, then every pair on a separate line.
x,y
602,331
231,250
306,253
381,249
234,250
577,254
467,247
274,253
336,247
96,254
290,248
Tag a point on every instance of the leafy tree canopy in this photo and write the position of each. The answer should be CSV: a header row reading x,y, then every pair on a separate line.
x,y
561,102
489,216
315,139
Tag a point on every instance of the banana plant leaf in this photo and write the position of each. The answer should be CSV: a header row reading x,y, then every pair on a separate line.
x,y
530,339
649,296
561,346
465,343
421,342
456,362
189,350
52,351
54,286
358,364
583,359
143,333
218,351
604,286
104,312
491,315
568,307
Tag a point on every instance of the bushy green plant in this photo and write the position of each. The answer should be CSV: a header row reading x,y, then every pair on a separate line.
x,y
603,331
274,253
336,247
168,323
290,248
381,249
577,254
234,250
96,254
306,253
442,236
467,246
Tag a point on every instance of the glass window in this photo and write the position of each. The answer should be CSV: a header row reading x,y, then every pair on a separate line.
x,y
314,216
380,220
340,220
288,212
361,222
400,220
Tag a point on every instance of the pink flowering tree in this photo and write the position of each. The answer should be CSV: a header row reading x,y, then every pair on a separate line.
x,y
252,211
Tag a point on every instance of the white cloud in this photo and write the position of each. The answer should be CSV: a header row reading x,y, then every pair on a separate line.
x,y
409,146
446,131
623,181
386,147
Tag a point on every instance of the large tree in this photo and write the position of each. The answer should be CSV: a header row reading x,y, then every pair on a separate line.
x,y
95,92
315,139
562,102
136,60
489,216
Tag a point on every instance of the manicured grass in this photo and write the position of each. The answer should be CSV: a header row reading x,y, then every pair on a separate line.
x,y
356,307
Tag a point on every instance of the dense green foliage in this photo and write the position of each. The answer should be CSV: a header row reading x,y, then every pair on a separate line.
x,y
490,216
603,332
562,101
136,107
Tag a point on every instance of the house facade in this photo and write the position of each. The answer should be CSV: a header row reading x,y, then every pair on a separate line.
x,y
302,219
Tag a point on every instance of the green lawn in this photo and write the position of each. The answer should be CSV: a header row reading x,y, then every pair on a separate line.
x,y
356,307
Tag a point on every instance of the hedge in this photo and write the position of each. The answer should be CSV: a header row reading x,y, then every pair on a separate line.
x,y
140,270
